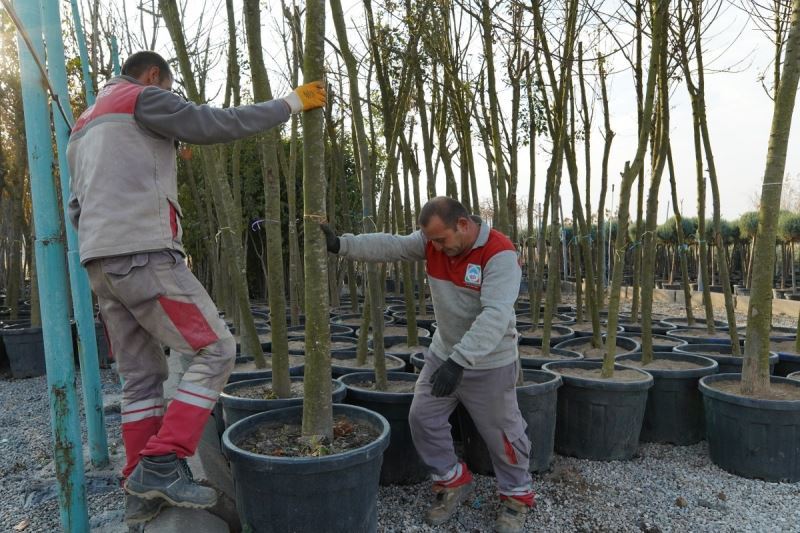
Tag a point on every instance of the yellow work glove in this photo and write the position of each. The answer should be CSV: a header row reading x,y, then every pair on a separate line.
x,y
307,97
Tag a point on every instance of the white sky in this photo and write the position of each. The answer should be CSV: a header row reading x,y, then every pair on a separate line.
x,y
739,110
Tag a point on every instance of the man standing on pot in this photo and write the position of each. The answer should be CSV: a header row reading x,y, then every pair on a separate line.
x,y
474,279
124,204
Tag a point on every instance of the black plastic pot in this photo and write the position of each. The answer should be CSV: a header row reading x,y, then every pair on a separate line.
x,y
342,363
401,462
537,403
348,340
722,354
674,411
776,333
394,340
599,419
682,322
788,363
657,328
723,337
334,493
750,437
235,408
401,330
557,334
661,343
337,330
400,319
536,363
353,320
417,360
259,374
24,350
625,343
603,326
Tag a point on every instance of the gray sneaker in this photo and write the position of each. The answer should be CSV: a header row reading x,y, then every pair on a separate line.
x,y
169,478
138,510
446,503
511,517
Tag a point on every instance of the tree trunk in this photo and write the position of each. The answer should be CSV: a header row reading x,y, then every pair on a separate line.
x,y
755,373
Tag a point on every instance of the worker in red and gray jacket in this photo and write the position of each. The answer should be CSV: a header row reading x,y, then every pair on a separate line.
x,y
474,276
124,204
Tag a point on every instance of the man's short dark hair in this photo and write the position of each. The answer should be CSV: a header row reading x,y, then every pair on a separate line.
x,y
139,62
447,209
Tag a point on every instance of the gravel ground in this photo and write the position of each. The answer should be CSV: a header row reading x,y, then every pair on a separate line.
x,y
666,488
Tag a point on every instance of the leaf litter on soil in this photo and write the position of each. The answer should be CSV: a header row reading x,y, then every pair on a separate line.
x,y
286,440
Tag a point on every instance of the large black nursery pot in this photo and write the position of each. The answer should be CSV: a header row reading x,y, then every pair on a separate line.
x,y
24,349
683,322
333,493
661,343
344,362
401,462
337,330
674,411
536,363
657,327
723,355
578,344
235,408
537,400
751,437
599,419
389,342
557,334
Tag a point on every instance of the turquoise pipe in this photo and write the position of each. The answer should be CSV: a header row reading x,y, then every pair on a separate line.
x,y
81,38
52,278
79,280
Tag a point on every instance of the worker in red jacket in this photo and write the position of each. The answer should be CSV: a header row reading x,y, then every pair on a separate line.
x,y
124,204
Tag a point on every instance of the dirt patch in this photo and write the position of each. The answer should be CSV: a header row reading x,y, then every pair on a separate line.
x,y
393,331
702,334
663,364
264,391
250,366
405,348
527,351
783,346
594,373
299,345
661,342
401,387
391,364
777,391
284,440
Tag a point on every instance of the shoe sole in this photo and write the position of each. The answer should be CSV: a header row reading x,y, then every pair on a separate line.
x,y
455,509
152,494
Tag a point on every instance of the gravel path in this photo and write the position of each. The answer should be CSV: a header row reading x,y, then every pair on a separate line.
x,y
666,488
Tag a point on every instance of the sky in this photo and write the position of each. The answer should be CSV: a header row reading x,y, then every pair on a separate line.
x,y
739,111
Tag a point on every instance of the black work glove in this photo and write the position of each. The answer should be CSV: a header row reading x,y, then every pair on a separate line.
x,y
331,240
446,378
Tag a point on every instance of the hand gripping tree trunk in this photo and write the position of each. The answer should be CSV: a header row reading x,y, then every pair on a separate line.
x,y
755,374
269,145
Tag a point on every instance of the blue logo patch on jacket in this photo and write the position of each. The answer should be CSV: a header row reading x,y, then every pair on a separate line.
x,y
473,275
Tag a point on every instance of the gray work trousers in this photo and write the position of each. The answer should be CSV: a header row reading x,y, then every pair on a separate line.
x,y
490,398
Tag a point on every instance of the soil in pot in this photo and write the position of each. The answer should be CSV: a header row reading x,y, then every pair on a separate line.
x,y
594,373
264,391
783,347
396,387
777,391
397,331
794,375
701,335
661,343
299,346
346,363
403,347
661,364
286,440
527,351
249,365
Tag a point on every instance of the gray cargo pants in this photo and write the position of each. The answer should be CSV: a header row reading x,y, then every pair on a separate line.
x,y
147,301
490,398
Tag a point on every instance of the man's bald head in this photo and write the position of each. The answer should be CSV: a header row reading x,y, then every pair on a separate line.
x,y
447,209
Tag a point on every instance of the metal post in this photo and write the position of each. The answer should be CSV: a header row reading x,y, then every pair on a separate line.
x,y
87,78
52,277
115,55
79,280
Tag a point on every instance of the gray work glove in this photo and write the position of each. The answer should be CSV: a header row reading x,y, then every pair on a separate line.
x,y
446,378
331,240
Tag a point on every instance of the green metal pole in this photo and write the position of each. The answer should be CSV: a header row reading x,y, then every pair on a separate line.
x,y
52,277
79,280
115,55
81,38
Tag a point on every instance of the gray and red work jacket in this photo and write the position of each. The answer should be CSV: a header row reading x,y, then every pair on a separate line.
x,y
123,173
473,294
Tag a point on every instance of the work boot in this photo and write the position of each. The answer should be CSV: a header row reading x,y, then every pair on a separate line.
x,y
138,510
511,518
446,503
169,478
